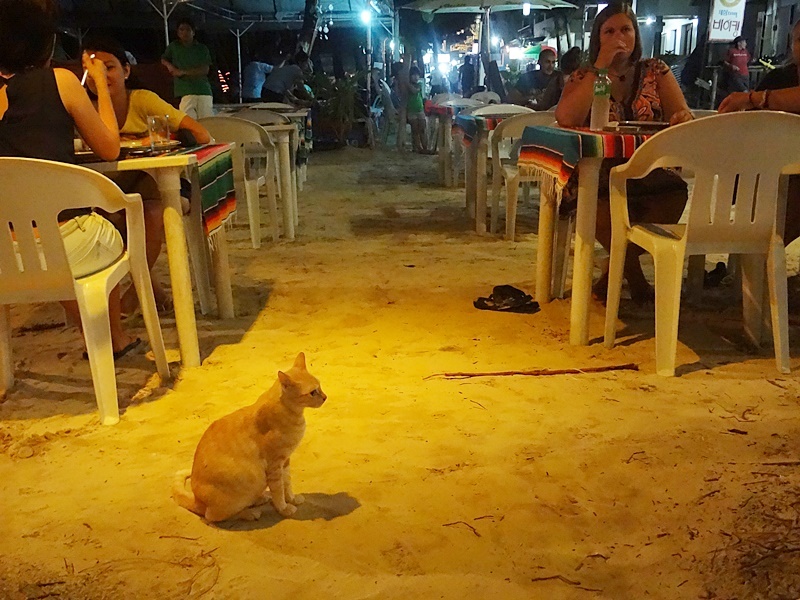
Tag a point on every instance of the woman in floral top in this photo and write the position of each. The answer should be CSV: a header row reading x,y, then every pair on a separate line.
x,y
641,90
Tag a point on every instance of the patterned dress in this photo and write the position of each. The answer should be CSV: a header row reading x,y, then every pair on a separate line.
x,y
642,104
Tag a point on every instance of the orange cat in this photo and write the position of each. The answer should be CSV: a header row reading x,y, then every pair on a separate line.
x,y
245,453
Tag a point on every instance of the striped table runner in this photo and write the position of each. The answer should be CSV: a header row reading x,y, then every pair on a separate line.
x,y
218,198
553,153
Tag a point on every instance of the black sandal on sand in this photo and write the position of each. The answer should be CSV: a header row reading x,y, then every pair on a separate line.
x,y
120,353
507,298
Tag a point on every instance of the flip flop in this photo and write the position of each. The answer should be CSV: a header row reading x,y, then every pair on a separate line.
x,y
507,298
120,353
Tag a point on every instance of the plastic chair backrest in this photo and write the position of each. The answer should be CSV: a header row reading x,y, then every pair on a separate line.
x,y
502,109
513,127
487,97
388,106
442,98
234,129
277,106
34,192
735,194
462,103
262,117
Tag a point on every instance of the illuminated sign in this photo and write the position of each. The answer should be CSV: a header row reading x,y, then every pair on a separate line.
x,y
727,17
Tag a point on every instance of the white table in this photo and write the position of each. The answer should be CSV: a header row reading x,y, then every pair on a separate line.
x,y
166,171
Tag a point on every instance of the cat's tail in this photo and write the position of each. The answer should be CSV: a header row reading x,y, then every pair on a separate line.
x,y
183,495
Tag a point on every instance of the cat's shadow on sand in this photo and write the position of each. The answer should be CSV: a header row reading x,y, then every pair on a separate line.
x,y
316,506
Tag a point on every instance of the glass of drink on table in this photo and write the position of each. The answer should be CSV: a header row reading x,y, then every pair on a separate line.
x,y
158,128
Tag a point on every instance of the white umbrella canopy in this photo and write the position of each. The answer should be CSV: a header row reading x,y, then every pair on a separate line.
x,y
482,6
485,7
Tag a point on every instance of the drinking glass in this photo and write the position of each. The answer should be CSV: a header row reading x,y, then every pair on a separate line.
x,y
158,127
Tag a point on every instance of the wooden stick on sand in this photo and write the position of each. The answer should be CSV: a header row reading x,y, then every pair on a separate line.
x,y
537,372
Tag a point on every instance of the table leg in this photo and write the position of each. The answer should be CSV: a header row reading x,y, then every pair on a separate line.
x,y
585,225
198,245
447,149
222,275
469,183
544,247
6,363
440,149
481,153
286,184
169,185
293,144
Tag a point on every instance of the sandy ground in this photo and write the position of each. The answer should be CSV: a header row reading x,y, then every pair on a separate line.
x,y
611,485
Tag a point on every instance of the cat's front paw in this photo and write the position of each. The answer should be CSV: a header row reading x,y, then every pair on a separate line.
x,y
296,500
287,511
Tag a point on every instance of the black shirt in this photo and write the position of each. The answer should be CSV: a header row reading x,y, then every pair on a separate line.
x,y
36,124
534,80
780,78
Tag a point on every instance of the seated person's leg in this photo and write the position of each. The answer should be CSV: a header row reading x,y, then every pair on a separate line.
x,y
93,243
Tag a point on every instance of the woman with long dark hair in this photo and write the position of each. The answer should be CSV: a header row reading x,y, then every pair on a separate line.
x,y
40,108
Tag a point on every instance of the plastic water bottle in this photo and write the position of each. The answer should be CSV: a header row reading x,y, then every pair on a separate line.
x,y
600,101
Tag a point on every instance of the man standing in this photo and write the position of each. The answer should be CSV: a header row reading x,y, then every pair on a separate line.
x,y
467,76
736,62
188,62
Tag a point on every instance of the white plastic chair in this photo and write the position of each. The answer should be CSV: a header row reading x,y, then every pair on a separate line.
x,y
288,189
487,97
274,106
511,128
389,115
34,267
253,143
500,109
734,209
262,117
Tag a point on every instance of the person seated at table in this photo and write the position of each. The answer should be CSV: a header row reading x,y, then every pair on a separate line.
x,y
40,108
132,105
284,79
642,89
532,83
778,90
570,61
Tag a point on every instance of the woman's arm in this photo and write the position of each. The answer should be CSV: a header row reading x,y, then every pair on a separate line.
x,y
576,99
199,132
99,131
787,99
673,103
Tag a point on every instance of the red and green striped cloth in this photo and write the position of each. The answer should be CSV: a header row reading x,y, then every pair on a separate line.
x,y
555,152
470,125
215,166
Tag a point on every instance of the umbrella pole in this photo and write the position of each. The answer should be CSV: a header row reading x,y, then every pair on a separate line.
x,y
486,46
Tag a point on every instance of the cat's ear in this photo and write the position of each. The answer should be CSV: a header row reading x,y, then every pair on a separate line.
x,y
285,380
300,361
